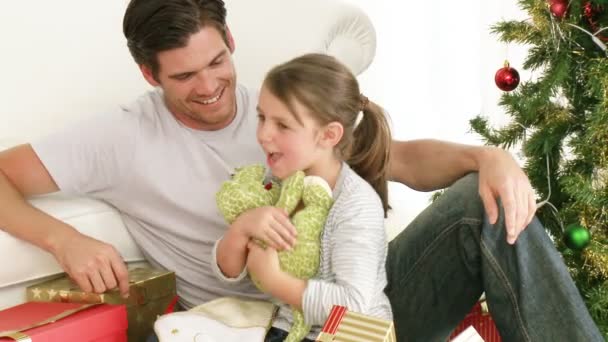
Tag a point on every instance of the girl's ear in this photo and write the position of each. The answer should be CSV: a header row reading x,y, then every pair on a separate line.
x,y
332,134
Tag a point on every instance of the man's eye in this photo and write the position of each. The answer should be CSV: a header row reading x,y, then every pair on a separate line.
x,y
183,77
282,125
215,63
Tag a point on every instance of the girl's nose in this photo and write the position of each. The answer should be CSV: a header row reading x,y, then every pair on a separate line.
x,y
263,134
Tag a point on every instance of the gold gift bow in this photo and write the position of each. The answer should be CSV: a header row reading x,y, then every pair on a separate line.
x,y
17,334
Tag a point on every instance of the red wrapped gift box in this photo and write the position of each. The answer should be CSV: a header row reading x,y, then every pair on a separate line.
x,y
66,322
482,321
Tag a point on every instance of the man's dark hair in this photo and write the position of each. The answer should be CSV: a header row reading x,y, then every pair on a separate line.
x,y
152,26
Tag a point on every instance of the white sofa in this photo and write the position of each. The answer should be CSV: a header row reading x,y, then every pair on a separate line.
x,y
68,80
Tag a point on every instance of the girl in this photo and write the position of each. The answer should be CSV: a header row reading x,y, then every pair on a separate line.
x,y
312,117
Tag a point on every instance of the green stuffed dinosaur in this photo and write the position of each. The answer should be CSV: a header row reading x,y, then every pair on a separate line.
x,y
247,190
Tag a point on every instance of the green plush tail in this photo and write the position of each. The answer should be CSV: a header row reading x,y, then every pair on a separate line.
x,y
299,329
291,192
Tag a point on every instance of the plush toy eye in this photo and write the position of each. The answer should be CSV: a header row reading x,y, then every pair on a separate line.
x,y
268,186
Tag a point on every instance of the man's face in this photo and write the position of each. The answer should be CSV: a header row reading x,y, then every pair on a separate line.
x,y
199,81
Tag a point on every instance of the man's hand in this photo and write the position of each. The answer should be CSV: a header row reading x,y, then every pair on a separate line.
x,y
501,177
94,265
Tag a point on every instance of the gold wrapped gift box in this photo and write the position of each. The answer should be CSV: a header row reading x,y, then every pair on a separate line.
x,y
150,293
347,326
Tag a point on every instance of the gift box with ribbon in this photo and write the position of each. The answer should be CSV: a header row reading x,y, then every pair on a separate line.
x,y
343,325
151,292
481,320
66,322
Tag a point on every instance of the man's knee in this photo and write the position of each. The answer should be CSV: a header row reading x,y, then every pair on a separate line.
x,y
465,193
467,184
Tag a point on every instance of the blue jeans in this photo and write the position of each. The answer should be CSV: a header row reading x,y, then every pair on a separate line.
x,y
439,266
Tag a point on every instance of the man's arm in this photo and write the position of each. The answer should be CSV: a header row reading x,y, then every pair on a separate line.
x,y
94,265
428,165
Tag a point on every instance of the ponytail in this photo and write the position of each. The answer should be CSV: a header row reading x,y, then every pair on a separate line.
x,y
369,153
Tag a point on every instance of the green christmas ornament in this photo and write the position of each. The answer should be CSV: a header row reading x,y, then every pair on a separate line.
x,y
576,237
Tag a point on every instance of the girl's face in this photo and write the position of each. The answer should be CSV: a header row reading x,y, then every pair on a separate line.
x,y
289,145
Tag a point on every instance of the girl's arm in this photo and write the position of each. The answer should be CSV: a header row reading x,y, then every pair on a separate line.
x,y
268,224
230,252
264,264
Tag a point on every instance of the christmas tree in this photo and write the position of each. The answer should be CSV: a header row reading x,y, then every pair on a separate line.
x,y
559,120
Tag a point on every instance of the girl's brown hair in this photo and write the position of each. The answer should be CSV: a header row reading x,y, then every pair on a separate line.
x,y
330,91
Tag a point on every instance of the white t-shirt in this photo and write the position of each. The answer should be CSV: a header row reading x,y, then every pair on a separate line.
x,y
162,177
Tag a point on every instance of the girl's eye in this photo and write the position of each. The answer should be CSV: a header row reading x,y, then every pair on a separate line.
x,y
260,117
282,125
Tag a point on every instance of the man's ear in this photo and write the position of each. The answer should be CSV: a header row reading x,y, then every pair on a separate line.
x,y
148,75
332,134
230,39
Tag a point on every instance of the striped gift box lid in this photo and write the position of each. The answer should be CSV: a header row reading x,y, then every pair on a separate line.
x,y
347,326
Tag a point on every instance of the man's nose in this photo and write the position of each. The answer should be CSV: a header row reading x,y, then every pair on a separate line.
x,y
206,84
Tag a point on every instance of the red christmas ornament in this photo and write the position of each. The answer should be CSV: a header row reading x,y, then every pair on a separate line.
x,y
506,78
592,13
558,8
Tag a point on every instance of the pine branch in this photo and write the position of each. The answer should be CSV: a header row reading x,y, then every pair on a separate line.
x,y
516,32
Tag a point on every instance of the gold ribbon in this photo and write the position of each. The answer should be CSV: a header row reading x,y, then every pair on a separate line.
x,y
17,334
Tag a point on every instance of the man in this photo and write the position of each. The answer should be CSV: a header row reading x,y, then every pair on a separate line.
x,y
156,159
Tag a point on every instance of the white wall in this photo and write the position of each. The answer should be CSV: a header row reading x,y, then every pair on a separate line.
x,y
44,54
434,71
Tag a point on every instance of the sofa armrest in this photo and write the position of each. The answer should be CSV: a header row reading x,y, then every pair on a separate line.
x,y
283,29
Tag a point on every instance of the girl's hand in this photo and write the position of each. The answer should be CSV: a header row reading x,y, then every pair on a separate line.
x,y
270,225
264,264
